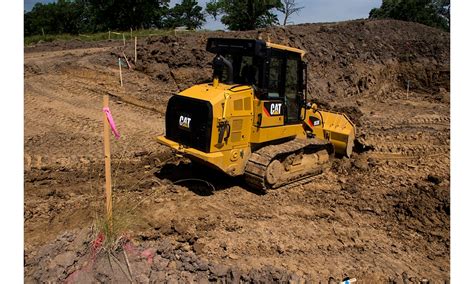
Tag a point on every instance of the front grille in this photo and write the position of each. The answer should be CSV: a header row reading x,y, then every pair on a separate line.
x,y
189,122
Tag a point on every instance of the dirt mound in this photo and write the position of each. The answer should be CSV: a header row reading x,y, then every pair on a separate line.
x,y
80,256
68,45
345,59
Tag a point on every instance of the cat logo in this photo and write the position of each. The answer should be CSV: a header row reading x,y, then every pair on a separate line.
x,y
273,109
185,122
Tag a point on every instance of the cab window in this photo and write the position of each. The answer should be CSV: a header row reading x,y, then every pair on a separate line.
x,y
291,90
274,78
245,69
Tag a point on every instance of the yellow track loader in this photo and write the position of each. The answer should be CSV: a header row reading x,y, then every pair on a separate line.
x,y
254,120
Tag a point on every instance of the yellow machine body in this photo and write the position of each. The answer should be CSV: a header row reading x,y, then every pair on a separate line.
x,y
240,122
241,109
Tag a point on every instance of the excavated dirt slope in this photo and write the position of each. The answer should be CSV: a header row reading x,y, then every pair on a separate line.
x,y
382,215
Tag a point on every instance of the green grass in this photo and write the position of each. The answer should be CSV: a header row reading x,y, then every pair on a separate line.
x,y
30,40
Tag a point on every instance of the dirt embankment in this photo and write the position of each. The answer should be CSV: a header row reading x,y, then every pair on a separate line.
x,y
345,60
382,215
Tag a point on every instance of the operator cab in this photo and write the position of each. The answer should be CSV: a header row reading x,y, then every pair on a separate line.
x,y
276,72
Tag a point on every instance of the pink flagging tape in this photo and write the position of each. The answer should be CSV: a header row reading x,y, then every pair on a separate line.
x,y
111,122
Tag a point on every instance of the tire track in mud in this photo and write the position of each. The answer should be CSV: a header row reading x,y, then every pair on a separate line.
x,y
406,145
136,89
414,122
428,120
399,149
84,120
40,162
404,149
147,110
408,138
77,123
411,171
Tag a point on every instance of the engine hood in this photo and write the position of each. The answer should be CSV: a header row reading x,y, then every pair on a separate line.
x,y
214,95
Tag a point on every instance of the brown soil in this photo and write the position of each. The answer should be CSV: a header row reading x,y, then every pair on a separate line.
x,y
382,215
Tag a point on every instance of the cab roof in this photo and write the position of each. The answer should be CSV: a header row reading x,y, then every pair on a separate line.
x,y
287,48
246,46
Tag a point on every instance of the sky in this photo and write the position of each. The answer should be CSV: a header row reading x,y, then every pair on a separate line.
x,y
314,11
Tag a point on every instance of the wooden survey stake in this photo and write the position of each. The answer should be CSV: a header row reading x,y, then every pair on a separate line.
x,y
120,72
135,50
408,88
108,175
126,60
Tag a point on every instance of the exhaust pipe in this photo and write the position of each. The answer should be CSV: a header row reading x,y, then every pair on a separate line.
x,y
218,65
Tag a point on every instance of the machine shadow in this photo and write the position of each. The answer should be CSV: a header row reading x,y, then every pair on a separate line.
x,y
201,180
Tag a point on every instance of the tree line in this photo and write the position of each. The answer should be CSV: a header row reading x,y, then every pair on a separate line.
x,y
90,16
435,13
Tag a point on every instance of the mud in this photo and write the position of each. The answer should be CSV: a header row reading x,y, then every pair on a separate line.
x,y
382,215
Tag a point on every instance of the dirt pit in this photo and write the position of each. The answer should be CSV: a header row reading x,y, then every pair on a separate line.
x,y
382,215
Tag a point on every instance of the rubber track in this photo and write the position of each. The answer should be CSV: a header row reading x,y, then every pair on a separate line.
x,y
260,159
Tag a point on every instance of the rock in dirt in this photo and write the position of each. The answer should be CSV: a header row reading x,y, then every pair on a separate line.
x,y
361,164
202,264
350,188
180,228
219,270
65,259
198,247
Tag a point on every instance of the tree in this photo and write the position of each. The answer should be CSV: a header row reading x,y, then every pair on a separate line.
x,y
61,17
126,14
433,13
75,16
188,14
443,8
35,23
246,14
289,8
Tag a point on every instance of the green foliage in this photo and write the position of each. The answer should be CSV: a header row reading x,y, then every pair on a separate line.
x,y
61,17
443,8
92,16
214,8
245,15
188,14
433,13
125,14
